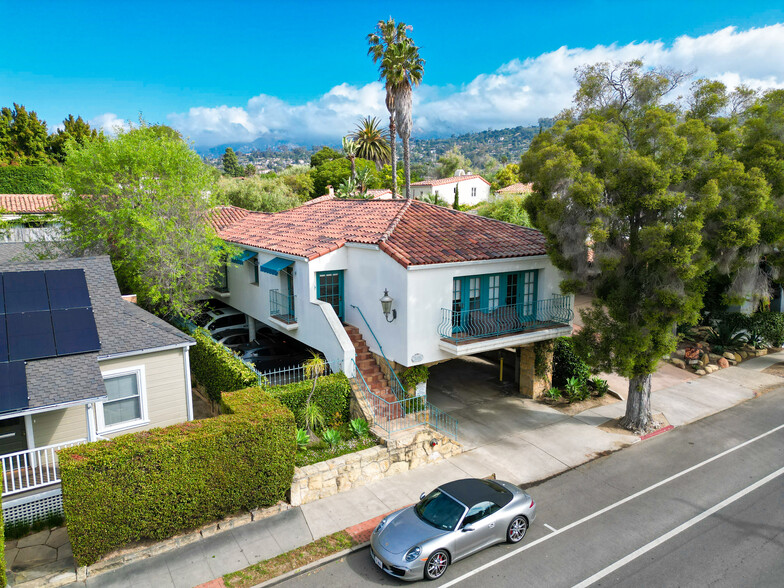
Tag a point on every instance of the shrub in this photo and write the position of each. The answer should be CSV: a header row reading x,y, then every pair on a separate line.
x,y
576,390
771,327
158,483
600,386
414,375
26,179
726,335
359,428
302,438
567,364
218,369
553,394
331,396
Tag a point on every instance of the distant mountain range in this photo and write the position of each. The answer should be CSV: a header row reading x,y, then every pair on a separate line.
x,y
505,145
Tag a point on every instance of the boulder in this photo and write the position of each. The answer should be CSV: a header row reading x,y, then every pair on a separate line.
x,y
738,358
732,362
677,354
723,363
705,359
700,372
760,352
678,363
714,358
729,355
743,354
710,368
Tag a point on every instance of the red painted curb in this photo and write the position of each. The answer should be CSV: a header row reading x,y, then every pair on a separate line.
x,y
216,583
657,432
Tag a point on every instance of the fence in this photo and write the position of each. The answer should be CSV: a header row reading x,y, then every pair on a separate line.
x,y
32,468
295,373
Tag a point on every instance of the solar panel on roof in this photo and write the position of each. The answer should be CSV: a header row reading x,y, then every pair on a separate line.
x,y
67,289
3,340
30,335
25,292
75,331
13,386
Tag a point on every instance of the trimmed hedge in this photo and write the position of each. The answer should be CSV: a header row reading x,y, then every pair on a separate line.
x,y
26,179
331,396
218,369
567,364
158,483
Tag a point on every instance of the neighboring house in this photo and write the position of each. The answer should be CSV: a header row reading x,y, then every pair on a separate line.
x,y
31,217
380,194
77,364
473,189
518,189
455,284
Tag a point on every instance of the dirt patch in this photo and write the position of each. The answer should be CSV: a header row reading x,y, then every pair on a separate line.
x,y
577,407
659,421
777,369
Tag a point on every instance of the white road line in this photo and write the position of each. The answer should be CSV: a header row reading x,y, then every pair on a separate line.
x,y
551,528
608,508
677,530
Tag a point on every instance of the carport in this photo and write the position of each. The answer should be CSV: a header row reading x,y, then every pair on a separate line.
x,y
488,409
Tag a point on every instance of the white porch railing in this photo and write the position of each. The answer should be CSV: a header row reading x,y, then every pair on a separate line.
x,y
33,468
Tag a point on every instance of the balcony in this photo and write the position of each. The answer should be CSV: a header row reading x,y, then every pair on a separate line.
x,y
469,331
282,309
33,468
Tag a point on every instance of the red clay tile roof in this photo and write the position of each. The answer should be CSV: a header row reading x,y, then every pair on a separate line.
x,y
223,216
378,193
410,231
451,180
518,188
27,203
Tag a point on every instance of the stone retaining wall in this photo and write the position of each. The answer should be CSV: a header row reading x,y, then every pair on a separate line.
x,y
397,455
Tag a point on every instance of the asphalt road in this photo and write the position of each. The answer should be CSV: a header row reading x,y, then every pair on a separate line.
x,y
700,505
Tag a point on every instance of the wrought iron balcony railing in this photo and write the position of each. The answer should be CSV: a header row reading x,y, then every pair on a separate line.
x,y
282,306
462,324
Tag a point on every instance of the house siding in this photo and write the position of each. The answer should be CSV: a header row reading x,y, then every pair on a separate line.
x,y
165,386
59,426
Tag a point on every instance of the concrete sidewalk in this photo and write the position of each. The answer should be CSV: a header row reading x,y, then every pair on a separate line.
x,y
538,449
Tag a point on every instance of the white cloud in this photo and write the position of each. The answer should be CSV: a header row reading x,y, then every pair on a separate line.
x,y
517,93
109,122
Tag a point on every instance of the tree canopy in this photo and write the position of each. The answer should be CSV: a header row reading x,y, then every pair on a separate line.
x,y
231,165
142,198
657,202
23,137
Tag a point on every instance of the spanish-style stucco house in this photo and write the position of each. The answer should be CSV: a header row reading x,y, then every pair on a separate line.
x,y
78,364
454,283
472,189
30,216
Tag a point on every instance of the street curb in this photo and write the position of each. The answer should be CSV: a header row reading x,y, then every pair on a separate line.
x,y
657,432
312,565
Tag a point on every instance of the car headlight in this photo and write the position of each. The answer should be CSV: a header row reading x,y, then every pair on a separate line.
x,y
382,524
413,553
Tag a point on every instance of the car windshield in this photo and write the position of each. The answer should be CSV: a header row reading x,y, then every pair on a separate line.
x,y
440,510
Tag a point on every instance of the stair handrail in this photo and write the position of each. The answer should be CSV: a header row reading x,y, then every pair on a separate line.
x,y
398,390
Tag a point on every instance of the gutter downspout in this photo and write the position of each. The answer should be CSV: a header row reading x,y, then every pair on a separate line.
x,y
188,391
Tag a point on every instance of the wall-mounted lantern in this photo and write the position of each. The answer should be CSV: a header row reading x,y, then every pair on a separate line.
x,y
386,306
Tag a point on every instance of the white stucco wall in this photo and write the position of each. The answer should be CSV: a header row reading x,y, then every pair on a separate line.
x,y
447,191
419,294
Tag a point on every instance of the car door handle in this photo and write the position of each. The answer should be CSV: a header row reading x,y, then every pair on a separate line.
x,y
491,525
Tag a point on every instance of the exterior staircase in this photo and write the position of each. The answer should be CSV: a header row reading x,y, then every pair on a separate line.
x,y
382,400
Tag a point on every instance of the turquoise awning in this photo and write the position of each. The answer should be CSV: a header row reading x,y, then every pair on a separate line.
x,y
274,265
243,257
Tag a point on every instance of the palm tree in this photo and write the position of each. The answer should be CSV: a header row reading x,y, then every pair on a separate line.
x,y
410,68
388,33
372,141
350,149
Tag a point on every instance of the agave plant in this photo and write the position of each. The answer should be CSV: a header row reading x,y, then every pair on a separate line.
x,y
302,438
552,394
331,437
601,386
727,336
359,427
576,390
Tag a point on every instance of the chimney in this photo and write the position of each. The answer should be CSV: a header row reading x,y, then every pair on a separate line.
x,y
330,190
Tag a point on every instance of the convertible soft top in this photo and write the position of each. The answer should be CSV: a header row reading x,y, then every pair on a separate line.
x,y
472,491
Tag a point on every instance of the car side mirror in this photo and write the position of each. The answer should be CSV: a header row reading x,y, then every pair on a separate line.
x,y
422,496
468,527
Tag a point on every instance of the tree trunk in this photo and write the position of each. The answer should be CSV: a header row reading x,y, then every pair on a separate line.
x,y
407,166
353,169
638,405
393,150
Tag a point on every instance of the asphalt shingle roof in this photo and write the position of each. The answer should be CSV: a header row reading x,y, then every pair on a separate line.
x,y
410,231
122,327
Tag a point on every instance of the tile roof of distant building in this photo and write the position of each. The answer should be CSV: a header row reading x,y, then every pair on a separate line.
x,y
223,216
410,231
380,193
27,203
518,188
450,180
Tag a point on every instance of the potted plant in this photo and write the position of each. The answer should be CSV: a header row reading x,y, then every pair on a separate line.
x,y
415,380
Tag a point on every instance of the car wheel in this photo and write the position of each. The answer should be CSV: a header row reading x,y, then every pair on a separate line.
x,y
517,529
436,565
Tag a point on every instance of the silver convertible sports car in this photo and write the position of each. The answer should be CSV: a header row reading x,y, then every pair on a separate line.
x,y
452,522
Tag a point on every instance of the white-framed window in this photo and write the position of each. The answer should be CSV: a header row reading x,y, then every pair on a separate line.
x,y
126,406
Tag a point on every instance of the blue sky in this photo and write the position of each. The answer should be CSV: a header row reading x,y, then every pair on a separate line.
x,y
278,71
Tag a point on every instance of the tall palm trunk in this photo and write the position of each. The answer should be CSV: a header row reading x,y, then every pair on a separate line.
x,y
393,150
407,166
404,120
